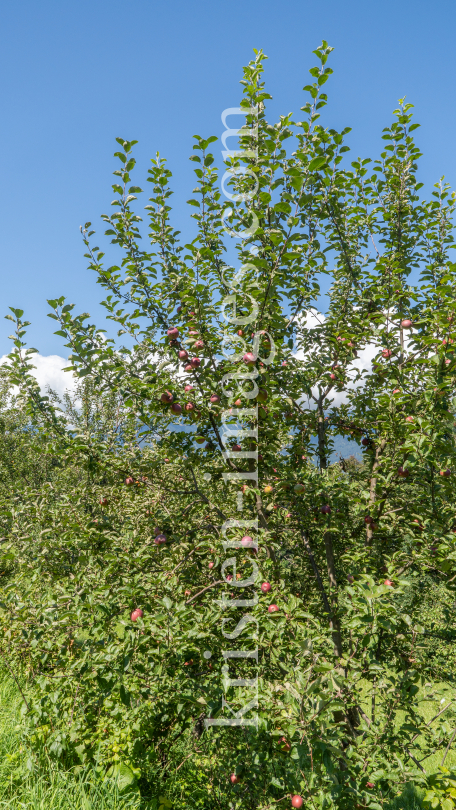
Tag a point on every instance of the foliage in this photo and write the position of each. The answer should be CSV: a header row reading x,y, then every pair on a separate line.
x,y
328,688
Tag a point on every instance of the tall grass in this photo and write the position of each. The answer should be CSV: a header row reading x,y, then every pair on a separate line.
x,y
51,788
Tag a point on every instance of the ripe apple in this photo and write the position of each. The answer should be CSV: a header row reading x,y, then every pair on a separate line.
x,y
215,399
268,489
103,501
176,408
187,592
198,344
284,363
406,323
272,609
193,332
350,579
240,333
299,489
173,332
445,473
387,353
332,376
200,439
234,779
183,355
297,801
368,519
160,539
189,406
211,565
397,391
195,362
365,441
136,614
403,473
129,481
246,541
188,367
236,448
167,398
326,509
409,418
249,358
266,587
188,388
371,784
238,403
262,395
229,577
388,582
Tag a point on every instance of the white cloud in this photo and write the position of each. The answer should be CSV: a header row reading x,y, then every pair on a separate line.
x,y
48,371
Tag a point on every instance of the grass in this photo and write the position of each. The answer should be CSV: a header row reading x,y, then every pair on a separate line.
x,y
53,788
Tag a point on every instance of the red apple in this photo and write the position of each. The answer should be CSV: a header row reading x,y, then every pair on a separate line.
x,y
326,509
211,565
192,332
129,481
350,579
183,355
397,391
371,784
103,501
409,418
332,376
368,519
195,362
365,441
188,367
406,323
173,332
136,614
187,592
246,541
388,582
215,399
167,398
176,408
198,344
238,403
236,448
229,577
387,353
234,779
445,473
266,587
284,363
297,801
403,473
249,358
188,388
272,609
160,539
240,333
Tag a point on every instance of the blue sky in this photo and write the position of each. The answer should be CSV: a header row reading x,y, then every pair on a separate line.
x,y
76,75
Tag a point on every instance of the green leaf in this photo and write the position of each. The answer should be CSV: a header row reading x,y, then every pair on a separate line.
x,y
317,163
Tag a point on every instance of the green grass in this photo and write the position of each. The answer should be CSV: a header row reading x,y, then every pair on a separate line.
x,y
52,788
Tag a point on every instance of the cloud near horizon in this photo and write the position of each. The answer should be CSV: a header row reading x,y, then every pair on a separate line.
x,y
49,372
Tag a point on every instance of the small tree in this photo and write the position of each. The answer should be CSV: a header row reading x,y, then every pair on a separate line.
x,y
322,672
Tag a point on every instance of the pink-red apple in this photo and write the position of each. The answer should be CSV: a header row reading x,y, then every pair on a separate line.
x,y
176,408
297,801
136,614
167,398
272,609
173,332
266,587
195,362
183,355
